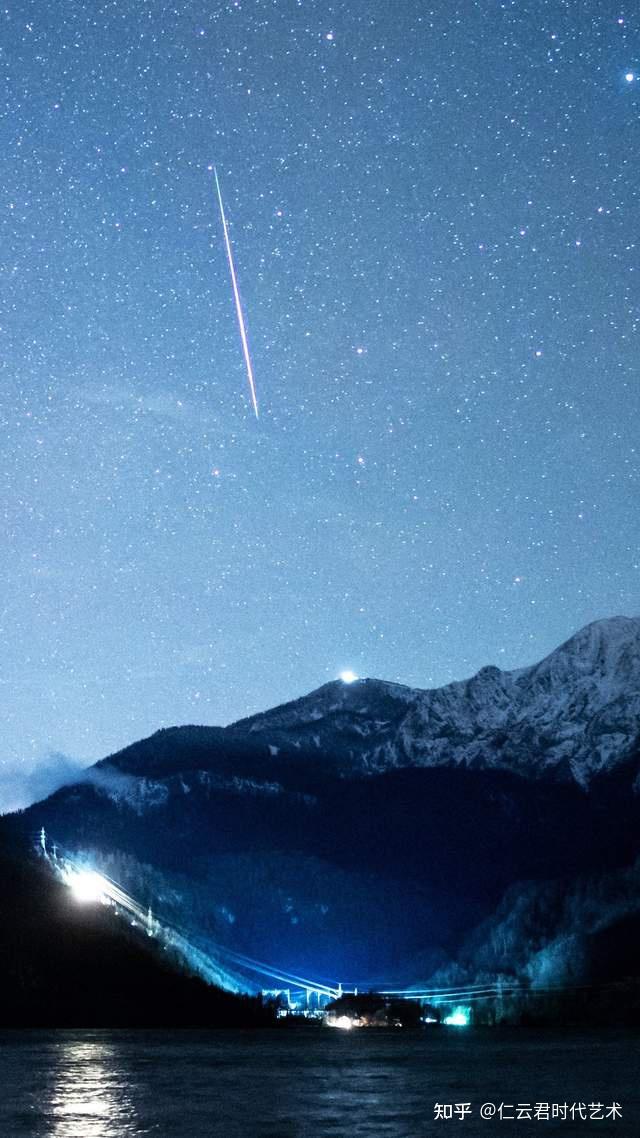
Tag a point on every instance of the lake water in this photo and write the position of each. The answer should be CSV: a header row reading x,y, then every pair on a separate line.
x,y
311,1083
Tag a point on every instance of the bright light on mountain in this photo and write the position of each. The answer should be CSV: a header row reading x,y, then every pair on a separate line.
x,y
87,886
348,677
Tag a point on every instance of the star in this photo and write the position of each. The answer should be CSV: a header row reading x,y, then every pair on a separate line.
x,y
437,290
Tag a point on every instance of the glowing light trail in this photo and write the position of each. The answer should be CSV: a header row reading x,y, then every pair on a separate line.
x,y
424,993
441,995
236,295
279,974
90,887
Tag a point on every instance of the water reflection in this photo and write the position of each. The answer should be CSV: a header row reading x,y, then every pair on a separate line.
x,y
89,1096
307,1084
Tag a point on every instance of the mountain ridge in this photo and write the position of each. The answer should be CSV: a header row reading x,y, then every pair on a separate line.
x,y
374,806
574,714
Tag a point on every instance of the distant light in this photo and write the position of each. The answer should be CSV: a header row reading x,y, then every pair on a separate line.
x,y
458,1018
345,1023
630,76
348,677
87,886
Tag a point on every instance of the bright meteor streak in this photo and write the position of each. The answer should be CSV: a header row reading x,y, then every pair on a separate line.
x,y
236,294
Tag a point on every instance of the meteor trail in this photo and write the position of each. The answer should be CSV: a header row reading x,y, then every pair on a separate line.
x,y
236,294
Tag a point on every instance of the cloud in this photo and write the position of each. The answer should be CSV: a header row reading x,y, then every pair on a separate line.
x,y
23,784
166,405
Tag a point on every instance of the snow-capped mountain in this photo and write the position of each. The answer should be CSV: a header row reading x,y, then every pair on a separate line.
x,y
574,714
372,805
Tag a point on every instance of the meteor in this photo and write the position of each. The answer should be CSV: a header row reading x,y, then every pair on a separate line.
x,y
236,295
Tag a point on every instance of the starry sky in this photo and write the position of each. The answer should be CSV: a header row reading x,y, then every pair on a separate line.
x,y
433,209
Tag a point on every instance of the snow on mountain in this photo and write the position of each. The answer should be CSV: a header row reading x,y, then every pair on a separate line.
x,y
574,714
137,794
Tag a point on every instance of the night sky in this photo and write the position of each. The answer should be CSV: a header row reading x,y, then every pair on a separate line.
x,y
434,216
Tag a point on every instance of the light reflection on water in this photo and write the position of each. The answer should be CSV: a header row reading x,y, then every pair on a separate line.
x,y
88,1096
310,1084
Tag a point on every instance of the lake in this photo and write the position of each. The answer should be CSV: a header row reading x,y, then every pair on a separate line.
x,y
312,1083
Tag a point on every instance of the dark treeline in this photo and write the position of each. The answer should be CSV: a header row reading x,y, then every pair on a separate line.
x,y
595,1005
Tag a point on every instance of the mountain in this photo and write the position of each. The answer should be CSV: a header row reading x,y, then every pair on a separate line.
x,y
367,830
574,714
67,965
